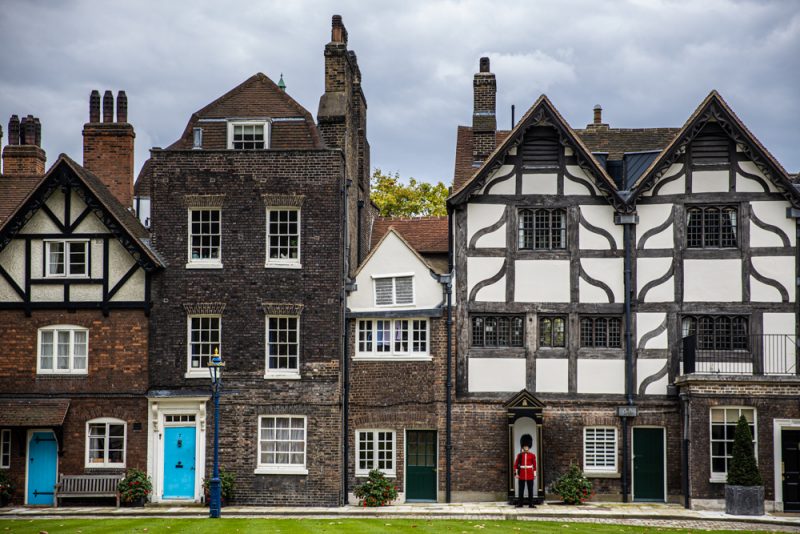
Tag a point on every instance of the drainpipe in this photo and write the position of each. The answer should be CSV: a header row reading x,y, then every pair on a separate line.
x,y
448,444
358,242
686,486
345,341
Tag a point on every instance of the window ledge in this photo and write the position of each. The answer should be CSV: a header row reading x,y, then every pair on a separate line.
x,y
718,480
282,376
78,374
280,471
269,265
198,374
365,474
392,358
601,474
105,466
198,265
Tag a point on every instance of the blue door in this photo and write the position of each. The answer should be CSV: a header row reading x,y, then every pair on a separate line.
x,y
179,458
42,465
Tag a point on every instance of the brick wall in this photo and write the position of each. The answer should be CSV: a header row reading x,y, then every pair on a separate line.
x,y
108,153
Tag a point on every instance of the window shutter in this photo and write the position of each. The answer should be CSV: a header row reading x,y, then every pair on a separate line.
x,y
383,291
405,290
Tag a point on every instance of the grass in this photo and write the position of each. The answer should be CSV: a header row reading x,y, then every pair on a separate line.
x,y
288,526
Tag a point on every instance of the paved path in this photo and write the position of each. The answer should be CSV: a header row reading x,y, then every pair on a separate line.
x,y
656,515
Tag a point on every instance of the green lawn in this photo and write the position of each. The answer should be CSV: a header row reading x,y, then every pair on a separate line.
x,y
355,526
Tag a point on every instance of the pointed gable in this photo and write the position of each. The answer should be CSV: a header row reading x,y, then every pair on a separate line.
x,y
532,134
711,126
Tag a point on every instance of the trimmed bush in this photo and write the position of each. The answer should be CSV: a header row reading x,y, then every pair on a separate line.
x,y
376,490
743,470
573,487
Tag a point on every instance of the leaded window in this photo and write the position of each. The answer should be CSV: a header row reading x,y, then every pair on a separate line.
x,y
542,229
717,332
497,331
711,227
552,330
601,332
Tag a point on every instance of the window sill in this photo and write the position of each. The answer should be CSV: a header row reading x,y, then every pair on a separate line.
x,y
601,474
280,471
105,466
41,374
718,480
198,374
392,358
282,376
197,265
283,265
365,474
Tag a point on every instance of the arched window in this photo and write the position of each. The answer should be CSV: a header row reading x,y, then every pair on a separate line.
x,y
63,349
105,442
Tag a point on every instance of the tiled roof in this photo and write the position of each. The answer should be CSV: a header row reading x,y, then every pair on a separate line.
x,y
142,186
463,167
617,141
33,412
13,190
425,234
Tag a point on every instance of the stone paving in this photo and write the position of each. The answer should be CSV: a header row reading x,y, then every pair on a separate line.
x,y
654,515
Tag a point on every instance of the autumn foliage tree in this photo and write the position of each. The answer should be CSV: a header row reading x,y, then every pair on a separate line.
x,y
395,198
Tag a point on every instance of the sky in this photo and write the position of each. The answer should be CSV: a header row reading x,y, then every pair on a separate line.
x,y
648,63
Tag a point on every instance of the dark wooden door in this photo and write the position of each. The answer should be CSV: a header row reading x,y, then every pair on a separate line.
x,y
790,455
648,464
421,465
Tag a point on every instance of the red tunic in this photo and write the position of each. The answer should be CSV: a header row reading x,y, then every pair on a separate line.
x,y
525,465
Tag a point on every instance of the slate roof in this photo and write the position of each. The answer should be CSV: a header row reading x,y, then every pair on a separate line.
x,y
426,235
33,412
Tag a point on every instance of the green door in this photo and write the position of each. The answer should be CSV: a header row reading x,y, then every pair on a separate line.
x,y
648,464
421,465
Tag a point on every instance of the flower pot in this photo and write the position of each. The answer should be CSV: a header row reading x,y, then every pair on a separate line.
x,y
136,503
4,500
744,500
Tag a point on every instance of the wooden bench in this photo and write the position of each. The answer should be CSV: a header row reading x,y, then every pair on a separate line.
x,y
79,486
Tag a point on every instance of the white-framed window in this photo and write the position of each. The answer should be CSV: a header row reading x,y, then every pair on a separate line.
x,y
248,135
205,237
5,448
66,258
204,338
396,290
600,449
393,338
282,444
105,442
283,346
283,237
63,349
723,422
375,449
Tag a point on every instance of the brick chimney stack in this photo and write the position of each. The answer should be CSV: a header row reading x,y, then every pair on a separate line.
x,y
484,115
108,145
23,156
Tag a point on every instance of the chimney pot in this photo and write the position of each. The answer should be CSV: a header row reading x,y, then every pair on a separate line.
x,y
122,107
598,114
23,156
484,64
28,131
108,107
338,31
13,130
94,106
38,132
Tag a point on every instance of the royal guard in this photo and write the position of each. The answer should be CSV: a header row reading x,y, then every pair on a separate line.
x,y
525,469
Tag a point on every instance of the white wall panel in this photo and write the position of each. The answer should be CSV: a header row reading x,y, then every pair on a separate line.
x,y
778,268
646,323
752,168
774,213
7,293
574,188
539,184
506,187
541,281
649,269
480,269
646,368
133,288
552,375
92,293
676,187
710,181
496,374
47,293
601,376
607,270
712,280
601,217
480,216
650,216
12,259
40,223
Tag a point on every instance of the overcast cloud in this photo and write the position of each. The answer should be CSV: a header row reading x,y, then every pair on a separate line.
x,y
647,62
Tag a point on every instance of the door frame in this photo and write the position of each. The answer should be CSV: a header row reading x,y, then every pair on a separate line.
x,y
777,445
664,459
158,409
28,437
405,459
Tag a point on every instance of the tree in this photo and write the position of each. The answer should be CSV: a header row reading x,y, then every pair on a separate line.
x,y
743,470
415,199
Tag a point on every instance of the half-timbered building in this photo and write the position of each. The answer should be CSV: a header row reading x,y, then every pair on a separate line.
x,y
624,295
75,277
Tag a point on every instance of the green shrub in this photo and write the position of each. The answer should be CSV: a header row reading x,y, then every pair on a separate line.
x,y
227,481
6,486
573,487
376,490
743,470
135,486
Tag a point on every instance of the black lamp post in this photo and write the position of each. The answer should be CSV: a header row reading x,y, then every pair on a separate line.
x,y
215,491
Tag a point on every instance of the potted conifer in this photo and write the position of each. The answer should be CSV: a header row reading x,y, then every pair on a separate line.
x,y
744,492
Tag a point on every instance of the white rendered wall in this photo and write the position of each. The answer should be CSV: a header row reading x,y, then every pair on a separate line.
x,y
40,223
712,280
601,376
651,216
677,187
649,269
506,187
648,367
552,375
710,181
480,216
607,270
12,259
780,349
480,269
574,188
394,257
496,374
778,268
646,323
539,184
133,290
601,217
752,168
541,281
774,213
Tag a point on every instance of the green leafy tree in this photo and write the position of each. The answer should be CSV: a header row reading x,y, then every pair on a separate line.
x,y
395,198
743,470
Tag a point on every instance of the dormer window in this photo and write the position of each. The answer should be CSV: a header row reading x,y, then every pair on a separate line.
x,y
394,290
248,135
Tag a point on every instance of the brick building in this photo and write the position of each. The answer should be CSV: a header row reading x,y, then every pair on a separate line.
x,y
260,214
75,276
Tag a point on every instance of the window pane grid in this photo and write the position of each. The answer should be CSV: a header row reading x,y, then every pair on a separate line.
x,y
106,444
283,343
542,229
67,258
5,449
387,337
63,351
282,441
718,332
497,331
601,332
376,450
283,231
712,227
248,136
552,331
204,337
205,235
723,427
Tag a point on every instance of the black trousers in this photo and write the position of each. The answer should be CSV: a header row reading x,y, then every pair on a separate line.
x,y
522,484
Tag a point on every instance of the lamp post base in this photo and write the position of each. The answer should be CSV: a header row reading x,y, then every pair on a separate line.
x,y
215,498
